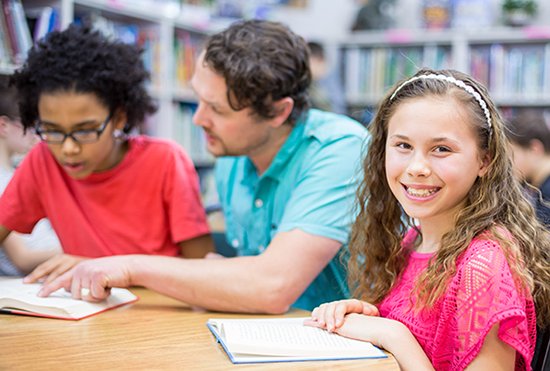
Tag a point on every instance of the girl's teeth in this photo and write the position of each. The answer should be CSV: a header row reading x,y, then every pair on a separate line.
x,y
421,192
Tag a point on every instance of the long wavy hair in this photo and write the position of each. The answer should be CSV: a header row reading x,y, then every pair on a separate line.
x,y
377,254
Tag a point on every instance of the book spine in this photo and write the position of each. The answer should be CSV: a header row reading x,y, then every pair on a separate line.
x,y
12,32
5,36
22,27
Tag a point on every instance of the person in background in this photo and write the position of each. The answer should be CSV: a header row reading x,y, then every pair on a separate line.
x,y
530,139
326,92
104,192
27,250
460,290
285,175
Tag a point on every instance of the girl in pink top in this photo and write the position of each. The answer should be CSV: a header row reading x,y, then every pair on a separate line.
x,y
460,290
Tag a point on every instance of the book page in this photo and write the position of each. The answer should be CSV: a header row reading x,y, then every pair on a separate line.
x,y
287,337
14,294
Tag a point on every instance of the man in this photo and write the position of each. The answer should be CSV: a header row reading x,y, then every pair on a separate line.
x,y
286,177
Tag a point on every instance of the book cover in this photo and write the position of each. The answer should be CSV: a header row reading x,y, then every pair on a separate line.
x,y
285,340
19,298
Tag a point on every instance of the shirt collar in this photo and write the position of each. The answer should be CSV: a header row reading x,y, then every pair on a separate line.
x,y
291,145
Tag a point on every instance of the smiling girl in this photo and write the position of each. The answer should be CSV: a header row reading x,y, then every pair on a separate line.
x,y
104,191
460,289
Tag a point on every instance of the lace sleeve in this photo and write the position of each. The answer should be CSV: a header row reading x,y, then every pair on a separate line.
x,y
482,294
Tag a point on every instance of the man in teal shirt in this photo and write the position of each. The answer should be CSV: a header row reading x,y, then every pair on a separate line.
x,y
308,186
286,177
295,178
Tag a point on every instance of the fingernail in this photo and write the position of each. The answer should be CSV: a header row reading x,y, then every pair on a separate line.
x,y
39,293
26,279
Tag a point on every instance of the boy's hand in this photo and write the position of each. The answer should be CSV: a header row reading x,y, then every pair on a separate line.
x,y
92,279
53,268
331,315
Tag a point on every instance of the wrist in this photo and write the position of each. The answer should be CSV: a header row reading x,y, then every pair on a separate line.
x,y
135,270
395,334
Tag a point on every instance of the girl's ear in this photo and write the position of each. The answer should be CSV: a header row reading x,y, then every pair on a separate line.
x,y
4,122
484,164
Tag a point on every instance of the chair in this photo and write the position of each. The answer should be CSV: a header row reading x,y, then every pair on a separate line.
x,y
541,359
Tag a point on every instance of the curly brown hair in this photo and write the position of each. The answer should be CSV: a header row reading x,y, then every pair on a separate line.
x,y
261,62
495,200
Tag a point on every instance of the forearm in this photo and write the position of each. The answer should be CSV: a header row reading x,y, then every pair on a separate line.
x,y
243,284
22,258
405,348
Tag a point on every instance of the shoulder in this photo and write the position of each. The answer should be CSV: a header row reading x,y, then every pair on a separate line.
x,y
39,159
327,127
157,148
485,259
483,249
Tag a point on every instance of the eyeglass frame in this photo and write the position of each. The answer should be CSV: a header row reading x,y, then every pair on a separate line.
x,y
98,131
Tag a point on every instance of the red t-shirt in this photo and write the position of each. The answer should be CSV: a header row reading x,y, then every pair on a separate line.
x,y
145,205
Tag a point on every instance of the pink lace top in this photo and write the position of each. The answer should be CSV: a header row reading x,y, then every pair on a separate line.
x,y
481,294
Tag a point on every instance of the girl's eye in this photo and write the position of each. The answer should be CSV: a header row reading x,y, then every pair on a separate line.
x,y
403,145
442,149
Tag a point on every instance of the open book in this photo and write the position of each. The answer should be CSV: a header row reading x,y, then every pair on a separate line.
x,y
283,340
19,298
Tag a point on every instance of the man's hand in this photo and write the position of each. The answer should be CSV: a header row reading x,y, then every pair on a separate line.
x,y
96,275
53,268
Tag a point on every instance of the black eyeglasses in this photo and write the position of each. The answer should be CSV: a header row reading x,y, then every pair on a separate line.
x,y
79,136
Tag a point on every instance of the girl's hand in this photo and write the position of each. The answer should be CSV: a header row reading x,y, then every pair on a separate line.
x,y
331,315
53,268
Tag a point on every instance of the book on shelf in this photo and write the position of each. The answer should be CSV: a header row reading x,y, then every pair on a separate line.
x,y
17,29
285,340
19,298
370,71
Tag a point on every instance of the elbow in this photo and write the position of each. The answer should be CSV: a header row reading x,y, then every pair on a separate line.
x,y
278,299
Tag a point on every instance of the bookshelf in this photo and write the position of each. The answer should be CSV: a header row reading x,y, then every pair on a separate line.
x,y
513,63
170,38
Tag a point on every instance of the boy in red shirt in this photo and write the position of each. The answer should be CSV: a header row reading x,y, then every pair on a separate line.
x,y
104,192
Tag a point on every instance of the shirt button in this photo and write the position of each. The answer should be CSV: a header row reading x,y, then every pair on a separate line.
x,y
258,203
235,243
261,248
311,132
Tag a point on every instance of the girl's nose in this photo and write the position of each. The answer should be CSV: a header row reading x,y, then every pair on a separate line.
x,y
419,166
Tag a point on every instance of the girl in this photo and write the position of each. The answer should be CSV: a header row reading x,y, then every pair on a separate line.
x,y
31,249
104,192
459,291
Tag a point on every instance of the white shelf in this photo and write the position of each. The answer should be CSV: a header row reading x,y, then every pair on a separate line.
x,y
142,11
399,37
8,69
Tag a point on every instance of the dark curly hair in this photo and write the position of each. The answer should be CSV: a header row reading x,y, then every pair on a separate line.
x,y
84,61
262,62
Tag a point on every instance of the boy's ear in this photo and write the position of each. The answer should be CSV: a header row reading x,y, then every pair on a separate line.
x,y
282,109
120,119
4,122
485,161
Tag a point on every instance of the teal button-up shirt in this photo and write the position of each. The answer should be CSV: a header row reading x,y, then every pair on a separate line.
x,y
309,185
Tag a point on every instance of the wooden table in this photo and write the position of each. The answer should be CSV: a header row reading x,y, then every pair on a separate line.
x,y
155,333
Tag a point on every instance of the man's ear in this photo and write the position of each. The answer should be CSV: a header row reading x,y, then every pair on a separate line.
x,y
282,108
4,122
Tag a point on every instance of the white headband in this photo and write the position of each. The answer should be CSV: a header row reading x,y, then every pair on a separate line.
x,y
456,82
